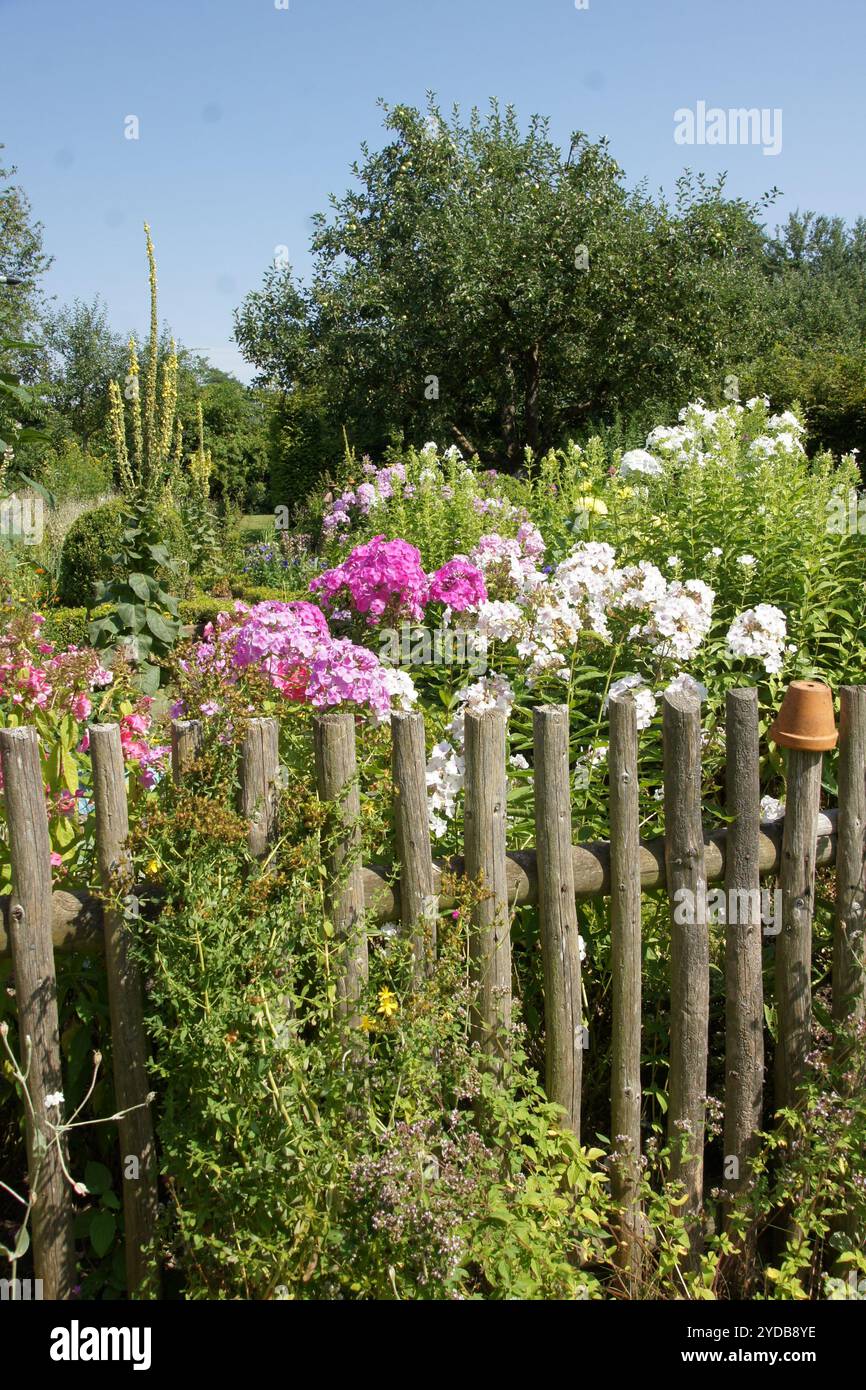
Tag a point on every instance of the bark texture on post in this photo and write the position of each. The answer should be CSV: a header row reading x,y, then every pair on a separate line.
x,y
690,949
793,977
337,784
484,829
625,964
260,764
744,986
128,1040
417,895
30,919
849,941
557,913
186,743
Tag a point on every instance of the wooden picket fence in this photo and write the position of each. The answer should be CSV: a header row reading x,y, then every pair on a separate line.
x,y
554,876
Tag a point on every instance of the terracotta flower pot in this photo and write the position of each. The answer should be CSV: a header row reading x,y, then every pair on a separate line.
x,y
805,719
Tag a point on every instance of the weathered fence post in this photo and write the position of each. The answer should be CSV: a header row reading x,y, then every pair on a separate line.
x,y
744,982
337,783
625,966
744,988
417,899
557,913
793,975
186,743
690,951
849,938
260,762
30,915
484,830
849,941
128,1041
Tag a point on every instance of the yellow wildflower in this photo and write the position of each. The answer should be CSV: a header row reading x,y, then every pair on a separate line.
x,y
388,1004
151,868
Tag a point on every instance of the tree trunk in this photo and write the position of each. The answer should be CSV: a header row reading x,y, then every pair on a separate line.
x,y
533,381
508,416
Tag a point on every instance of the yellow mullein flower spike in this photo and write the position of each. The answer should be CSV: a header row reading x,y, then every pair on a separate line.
x,y
134,397
200,466
118,437
168,404
150,429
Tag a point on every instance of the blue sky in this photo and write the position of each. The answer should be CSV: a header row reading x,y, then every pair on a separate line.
x,y
250,115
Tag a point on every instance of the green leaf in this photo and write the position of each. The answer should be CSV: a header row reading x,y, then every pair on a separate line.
x,y
97,1177
162,631
62,832
148,678
131,615
69,772
22,1244
140,585
103,1225
40,491
102,631
18,345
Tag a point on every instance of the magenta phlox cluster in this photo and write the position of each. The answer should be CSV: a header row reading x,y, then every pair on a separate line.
x,y
378,580
459,584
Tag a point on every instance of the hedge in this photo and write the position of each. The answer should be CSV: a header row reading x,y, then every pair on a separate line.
x,y
67,627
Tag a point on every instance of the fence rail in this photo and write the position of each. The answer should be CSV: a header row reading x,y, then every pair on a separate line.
x,y
554,876
77,916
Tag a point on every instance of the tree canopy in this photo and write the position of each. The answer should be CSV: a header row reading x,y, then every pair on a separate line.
x,y
22,255
480,285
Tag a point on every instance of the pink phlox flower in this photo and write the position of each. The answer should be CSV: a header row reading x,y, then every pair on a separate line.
x,y
378,578
459,584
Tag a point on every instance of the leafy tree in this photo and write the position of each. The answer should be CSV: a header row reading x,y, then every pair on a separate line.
x,y
19,407
236,423
304,441
22,255
815,349
482,287
84,356
817,267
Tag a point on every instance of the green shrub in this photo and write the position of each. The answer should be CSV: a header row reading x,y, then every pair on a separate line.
x,y
87,550
71,472
305,443
199,609
261,593
173,535
92,540
67,627
829,384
